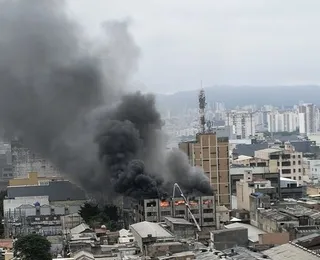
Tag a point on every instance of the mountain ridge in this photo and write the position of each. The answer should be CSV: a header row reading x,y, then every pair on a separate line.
x,y
234,96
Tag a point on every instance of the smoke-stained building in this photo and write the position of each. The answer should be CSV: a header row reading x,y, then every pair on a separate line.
x,y
210,151
25,161
156,210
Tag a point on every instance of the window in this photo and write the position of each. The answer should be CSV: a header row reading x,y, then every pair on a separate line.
x,y
299,178
293,156
294,178
294,162
299,170
286,171
151,204
294,170
299,156
285,156
195,211
208,211
151,214
208,219
180,212
166,213
299,162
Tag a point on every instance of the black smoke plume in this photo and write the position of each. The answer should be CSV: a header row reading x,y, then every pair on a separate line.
x,y
68,99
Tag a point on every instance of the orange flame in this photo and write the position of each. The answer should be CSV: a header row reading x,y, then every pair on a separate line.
x,y
179,202
164,204
193,203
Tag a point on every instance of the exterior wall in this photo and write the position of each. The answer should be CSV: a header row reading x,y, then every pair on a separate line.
x,y
161,249
228,238
211,153
285,161
313,190
243,123
203,209
314,169
222,214
274,238
11,204
243,192
70,221
32,179
271,225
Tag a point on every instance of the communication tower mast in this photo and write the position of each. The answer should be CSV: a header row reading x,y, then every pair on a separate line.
x,y
202,106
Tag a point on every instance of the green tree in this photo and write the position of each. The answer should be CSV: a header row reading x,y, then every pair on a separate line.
x,y
88,211
95,216
32,247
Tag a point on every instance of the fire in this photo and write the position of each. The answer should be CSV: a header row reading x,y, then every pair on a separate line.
x,y
207,202
179,202
164,204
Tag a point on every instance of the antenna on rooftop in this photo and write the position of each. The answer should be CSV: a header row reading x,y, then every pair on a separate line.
x,y
202,106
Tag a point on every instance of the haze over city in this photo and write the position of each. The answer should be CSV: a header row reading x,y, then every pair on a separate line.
x,y
247,42
162,130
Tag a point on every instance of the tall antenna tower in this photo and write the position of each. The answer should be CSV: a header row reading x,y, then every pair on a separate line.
x,y
202,106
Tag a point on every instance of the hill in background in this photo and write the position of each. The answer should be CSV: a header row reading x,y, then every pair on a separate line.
x,y
240,96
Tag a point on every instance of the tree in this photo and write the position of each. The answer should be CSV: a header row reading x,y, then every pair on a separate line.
x,y
32,247
88,211
95,216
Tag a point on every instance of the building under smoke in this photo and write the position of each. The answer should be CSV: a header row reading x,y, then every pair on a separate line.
x,y
72,105
25,161
155,210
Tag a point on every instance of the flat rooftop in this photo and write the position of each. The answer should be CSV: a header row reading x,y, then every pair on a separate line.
x,y
178,221
146,228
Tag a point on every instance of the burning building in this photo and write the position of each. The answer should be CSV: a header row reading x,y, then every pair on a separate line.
x,y
155,210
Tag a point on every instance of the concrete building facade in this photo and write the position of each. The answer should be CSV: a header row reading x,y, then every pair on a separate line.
x,y
156,210
211,153
243,123
285,160
250,185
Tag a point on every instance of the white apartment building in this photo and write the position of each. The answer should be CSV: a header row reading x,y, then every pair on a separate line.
x,y
312,168
242,122
286,121
308,118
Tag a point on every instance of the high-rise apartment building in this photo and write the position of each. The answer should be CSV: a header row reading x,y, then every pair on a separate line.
x,y
243,123
286,121
211,152
308,118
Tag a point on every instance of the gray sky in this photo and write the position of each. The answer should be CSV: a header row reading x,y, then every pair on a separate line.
x,y
236,42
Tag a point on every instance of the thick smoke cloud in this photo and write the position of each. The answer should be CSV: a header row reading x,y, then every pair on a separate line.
x,y
67,98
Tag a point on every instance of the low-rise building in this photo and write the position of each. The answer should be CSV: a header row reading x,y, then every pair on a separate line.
x,y
146,233
181,228
249,185
222,215
273,220
284,160
39,208
228,238
156,210
253,232
237,173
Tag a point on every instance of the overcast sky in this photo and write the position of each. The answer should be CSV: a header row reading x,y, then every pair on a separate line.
x,y
232,42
